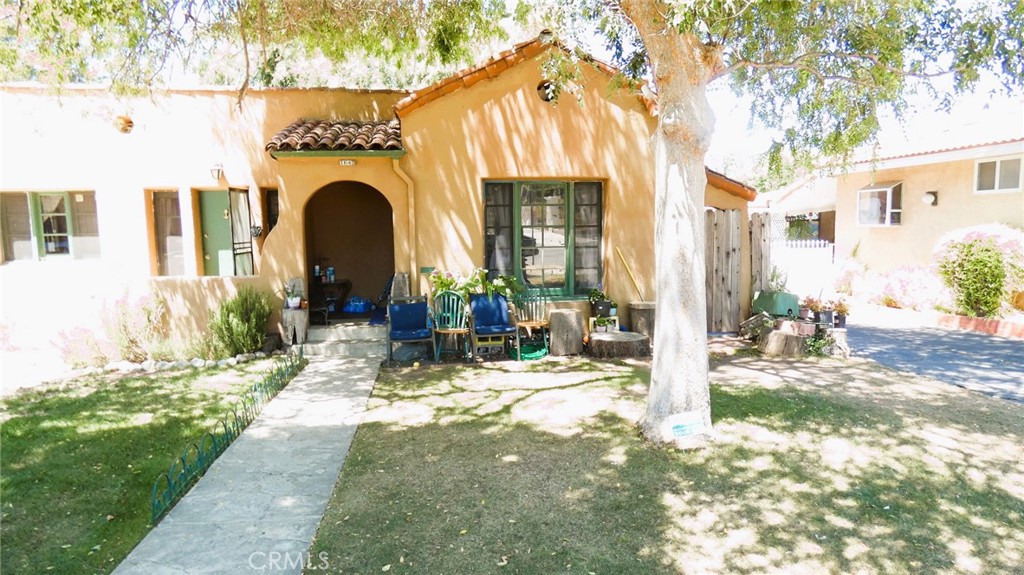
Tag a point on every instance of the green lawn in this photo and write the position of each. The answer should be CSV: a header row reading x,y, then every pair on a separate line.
x,y
818,467
79,461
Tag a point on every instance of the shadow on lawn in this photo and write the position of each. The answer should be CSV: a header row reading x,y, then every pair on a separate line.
x,y
79,463
809,474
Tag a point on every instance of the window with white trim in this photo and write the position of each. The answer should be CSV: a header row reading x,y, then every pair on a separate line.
x,y
38,225
997,175
546,233
880,204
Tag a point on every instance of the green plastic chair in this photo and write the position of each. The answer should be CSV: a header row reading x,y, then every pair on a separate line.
x,y
451,321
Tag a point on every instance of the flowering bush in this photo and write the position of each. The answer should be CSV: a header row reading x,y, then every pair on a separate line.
x,y
983,266
910,287
849,273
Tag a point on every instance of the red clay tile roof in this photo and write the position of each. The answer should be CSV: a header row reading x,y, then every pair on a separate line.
x,y
337,135
727,184
489,69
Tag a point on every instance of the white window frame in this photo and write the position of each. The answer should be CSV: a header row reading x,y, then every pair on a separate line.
x,y
888,188
999,166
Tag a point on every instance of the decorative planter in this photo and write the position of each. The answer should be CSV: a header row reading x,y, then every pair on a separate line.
x,y
824,317
293,302
601,308
805,313
840,321
776,303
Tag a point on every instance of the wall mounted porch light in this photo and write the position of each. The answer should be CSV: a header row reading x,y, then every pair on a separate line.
x,y
217,171
930,198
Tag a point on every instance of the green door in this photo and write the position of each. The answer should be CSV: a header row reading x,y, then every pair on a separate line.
x,y
215,218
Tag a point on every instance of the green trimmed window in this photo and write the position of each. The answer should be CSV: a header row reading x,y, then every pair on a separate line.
x,y
546,233
38,225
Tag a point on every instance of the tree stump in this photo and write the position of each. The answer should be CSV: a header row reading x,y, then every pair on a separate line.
x,y
619,344
566,332
783,344
641,317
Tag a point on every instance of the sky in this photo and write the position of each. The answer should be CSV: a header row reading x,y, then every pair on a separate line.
x,y
975,118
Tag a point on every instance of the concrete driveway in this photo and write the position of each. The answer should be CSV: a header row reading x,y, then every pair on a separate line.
x,y
905,341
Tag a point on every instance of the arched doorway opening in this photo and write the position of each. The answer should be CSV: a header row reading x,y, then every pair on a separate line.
x,y
348,227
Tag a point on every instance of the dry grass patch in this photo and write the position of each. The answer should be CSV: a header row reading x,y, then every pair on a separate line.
x,y
818,467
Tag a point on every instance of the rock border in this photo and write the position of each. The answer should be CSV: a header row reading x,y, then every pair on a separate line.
x,y
151,366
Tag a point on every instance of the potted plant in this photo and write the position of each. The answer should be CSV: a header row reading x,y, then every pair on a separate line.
x,y
805,311
842,309
600,305
822,310
292,295
614,310
809,306
602,323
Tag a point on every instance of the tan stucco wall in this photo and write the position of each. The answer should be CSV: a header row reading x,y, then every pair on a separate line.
x,y
70,142
501,129
922,225
496,129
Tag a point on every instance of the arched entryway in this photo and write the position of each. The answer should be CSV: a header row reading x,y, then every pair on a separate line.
x,y
349,227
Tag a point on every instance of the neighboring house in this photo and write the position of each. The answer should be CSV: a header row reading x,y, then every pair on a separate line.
x,y
940,172
891,211
191,193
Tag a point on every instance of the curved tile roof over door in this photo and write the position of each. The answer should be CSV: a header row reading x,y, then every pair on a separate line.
x,y
337,135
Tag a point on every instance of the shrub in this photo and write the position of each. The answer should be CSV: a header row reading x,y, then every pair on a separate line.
x,y
240,325
983,266
80,347
136,326
978,275
202,346
849,273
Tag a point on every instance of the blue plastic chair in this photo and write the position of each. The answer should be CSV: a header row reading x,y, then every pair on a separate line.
x,y
450,321
409,322
491,317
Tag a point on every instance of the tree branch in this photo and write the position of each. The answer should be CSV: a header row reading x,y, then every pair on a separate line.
x,y
799,63
245,51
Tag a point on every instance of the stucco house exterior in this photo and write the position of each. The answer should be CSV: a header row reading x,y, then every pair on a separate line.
x,y
892,210
190,194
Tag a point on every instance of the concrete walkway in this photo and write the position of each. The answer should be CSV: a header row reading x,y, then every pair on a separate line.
x,y
257,508
907,341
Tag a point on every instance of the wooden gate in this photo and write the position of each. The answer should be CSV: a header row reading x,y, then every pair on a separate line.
x,y
760,250
722,278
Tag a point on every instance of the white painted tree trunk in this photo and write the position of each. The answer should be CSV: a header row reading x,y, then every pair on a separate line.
x,y
679,401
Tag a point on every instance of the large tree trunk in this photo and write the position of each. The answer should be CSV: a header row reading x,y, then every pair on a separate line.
x,y
679,401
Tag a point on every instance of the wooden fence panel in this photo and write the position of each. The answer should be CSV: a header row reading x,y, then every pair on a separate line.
x,y
722,278
760,250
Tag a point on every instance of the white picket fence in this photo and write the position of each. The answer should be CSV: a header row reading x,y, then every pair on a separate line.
x,y
807,263
807,244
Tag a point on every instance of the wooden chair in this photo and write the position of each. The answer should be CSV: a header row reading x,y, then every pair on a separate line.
x,y
492,316
532,314
451,321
